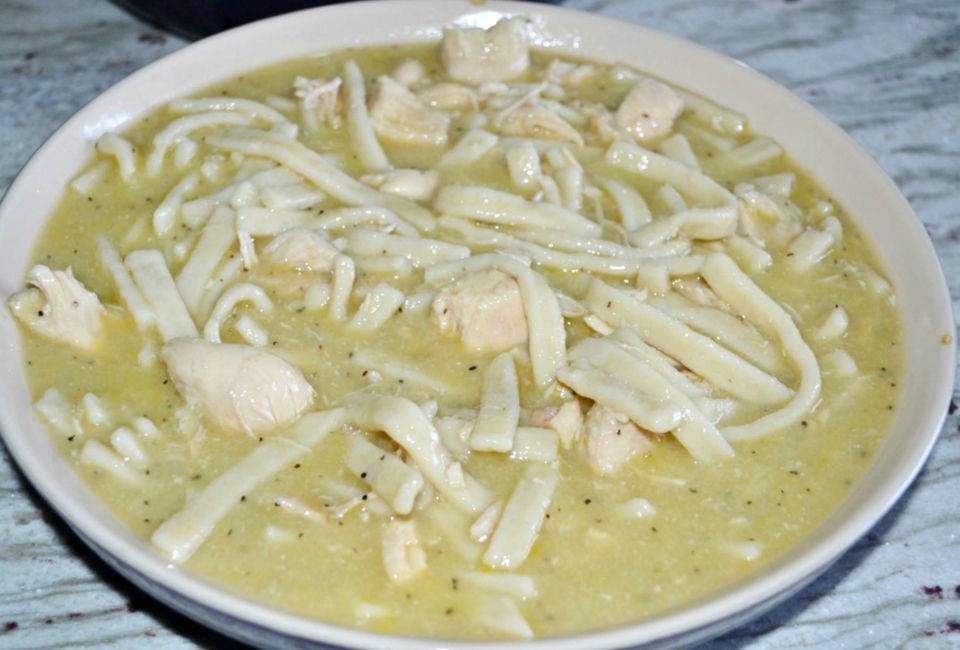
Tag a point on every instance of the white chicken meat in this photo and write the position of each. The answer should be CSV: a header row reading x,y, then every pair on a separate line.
x,y
484,309
320,101
237,388
566,420
476,55
400,116
59,307
611,440
403,557
300,249
648,110
535,120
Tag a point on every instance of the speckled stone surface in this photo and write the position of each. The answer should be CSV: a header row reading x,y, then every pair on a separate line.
x,y
887,72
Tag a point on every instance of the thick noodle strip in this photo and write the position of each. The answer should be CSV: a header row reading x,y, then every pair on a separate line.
x,y
699,353
630,341
377,308
233,104
259,221
132,299
470,148
226,275
152,277
696,433
734,286
562,240
692,183
499,412
726,329
631,206
505,209
318,170
409,427
696,223
396,482
180,128
546,334
124,153
347,218
618,395
165,216
364,140
217,238
522,518
671,255
344,275
182,534
704,111
238,293
419,251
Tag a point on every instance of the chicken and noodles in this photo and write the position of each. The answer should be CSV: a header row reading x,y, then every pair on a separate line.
x,y
460,339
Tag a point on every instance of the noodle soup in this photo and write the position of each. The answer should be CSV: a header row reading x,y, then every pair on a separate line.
x,y
460,339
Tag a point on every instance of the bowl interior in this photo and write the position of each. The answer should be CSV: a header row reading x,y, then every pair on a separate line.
x,y
813,142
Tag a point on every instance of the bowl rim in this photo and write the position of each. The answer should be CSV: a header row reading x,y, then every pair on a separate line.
x,y
702,617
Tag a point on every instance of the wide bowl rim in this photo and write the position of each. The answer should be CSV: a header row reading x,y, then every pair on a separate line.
x,y
700,618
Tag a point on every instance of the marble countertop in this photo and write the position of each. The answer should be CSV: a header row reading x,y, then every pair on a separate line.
x,y
887,72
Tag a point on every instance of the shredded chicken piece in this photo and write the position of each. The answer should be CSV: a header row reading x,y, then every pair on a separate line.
x,y
300,249
59,307
449,96
237,387
611,440
475,55
648,110
767,219
535,120
566,420
320,100
601,123
400,116
403,557
485,309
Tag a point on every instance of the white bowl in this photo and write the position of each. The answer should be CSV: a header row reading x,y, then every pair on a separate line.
x,y
813,142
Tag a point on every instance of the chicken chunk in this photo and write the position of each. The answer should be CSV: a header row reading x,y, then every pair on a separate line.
x,y
237,388
611,440
320,101
400,116
648,110
484,309
412,184
300,249
475,55
535,120
59,307
566,420
403,557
